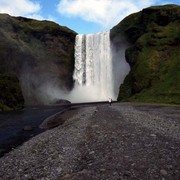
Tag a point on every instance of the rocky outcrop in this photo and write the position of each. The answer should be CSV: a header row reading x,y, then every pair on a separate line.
x,y
153,54
40,53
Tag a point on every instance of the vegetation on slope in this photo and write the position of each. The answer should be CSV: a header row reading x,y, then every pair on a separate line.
x,y
38,52
11,97
154,55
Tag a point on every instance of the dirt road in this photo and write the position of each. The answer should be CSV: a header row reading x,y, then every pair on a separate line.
x,y
122,141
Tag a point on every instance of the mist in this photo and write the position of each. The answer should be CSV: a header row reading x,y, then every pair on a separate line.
x,y
100,69
120,66
41,83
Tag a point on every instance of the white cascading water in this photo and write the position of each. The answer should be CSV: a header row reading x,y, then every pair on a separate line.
x,y
95,63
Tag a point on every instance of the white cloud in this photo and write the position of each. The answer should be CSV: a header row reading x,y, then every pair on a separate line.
x,y
21,8
104,12
51,18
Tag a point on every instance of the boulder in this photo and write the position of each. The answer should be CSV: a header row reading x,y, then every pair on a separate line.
x,y
61,101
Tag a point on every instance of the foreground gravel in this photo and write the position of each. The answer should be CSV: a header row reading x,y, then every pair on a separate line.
x,y
122,141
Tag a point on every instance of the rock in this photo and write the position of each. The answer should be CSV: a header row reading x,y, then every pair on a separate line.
x,y
102,170
163,172
127,174
133,164
92,152
61,101
59,169
66,177
153,135
52,121
28,128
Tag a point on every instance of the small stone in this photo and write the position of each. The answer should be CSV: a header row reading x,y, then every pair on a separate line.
x,y
20,170
148,145
66,176
127,174
163,172
92,152
95,126
170,167
84,171
102,170
59,169
133,164
49,159
152,135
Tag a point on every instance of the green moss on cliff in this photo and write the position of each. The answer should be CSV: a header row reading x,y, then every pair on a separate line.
x,y
11,97
38,52
154,55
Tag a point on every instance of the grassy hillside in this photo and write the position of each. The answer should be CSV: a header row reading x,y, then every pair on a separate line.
x,y
39,53
154,55
11,97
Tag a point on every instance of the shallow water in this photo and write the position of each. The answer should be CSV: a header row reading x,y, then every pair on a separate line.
x,y
12,124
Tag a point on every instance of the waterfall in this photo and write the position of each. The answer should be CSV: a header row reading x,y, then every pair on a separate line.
x,y
95,63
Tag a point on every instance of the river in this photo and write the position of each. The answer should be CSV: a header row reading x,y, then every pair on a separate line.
x,y
12,124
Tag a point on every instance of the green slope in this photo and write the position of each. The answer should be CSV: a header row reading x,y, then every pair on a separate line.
x,y
154,55
38,52
11,97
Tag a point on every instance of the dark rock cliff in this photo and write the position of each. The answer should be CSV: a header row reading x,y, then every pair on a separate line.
x,y
40,53
153,54
11,97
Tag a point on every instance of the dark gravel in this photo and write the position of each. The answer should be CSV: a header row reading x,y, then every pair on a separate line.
x,y
122,141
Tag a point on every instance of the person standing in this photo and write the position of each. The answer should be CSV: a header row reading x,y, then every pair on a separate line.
x,y
110,101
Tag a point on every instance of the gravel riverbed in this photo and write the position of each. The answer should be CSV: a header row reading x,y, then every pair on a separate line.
x,y
122,141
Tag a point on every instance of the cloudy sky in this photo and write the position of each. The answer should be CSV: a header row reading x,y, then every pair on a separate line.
x,y
82,16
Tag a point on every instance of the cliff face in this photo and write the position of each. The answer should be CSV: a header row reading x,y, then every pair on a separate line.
x,y
40,53
153,54
11,97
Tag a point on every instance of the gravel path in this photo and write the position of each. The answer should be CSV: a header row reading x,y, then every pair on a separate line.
x,y
122,141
